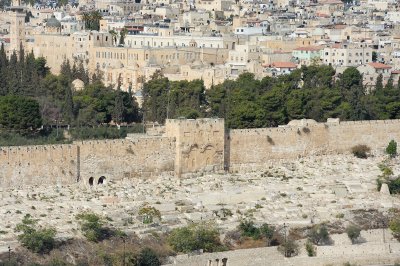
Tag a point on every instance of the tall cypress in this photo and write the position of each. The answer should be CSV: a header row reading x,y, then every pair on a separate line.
x,y
379,82
12,75
66,70
118,105
68,105
3,70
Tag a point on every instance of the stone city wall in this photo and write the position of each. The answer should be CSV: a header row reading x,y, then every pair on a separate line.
x,y
188,146
128,158
251,148
35,165
67,164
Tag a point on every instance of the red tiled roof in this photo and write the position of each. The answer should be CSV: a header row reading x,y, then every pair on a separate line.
x,y
379,65
396,72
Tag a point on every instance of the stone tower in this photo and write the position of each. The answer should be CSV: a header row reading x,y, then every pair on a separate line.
x,y
17,27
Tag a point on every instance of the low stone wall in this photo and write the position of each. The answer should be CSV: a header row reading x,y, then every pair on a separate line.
x,y
271,256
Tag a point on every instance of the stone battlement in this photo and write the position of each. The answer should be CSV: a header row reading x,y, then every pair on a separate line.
x,y
187,146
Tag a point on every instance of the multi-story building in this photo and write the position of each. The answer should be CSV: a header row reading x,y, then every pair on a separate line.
x,y
371,71
346,54
307,55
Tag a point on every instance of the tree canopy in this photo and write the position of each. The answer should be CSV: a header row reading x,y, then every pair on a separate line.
x,y
30,96
314,92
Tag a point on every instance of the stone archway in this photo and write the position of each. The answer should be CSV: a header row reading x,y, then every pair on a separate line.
x,y
91,179
102,180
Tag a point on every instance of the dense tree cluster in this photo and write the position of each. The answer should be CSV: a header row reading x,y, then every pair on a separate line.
x,y
166,99
30,96
314,92
92,20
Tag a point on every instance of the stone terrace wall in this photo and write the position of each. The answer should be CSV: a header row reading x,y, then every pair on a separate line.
x,y
134,157
34,165
252,148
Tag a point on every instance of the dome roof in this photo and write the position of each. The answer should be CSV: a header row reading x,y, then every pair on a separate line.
x,y
53,22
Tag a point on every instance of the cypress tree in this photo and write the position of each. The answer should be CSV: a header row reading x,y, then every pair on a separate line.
x,y
379,82
12,74
74,72
68,105
66,70
118,105
389,84
3,70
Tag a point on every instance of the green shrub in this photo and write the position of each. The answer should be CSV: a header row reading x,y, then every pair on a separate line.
x,y
310,249
195,237
361,151
147,257
394,186
353,232
267,232
391,149
38,240
149,214
394,226
289,248
319,235
92,226
247,228
386,170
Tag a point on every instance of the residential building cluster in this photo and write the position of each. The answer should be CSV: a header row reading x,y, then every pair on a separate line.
x,y
212,40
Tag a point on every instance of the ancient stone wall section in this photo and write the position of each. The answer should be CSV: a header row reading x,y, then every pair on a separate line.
x,y
188,146
36,165
66,164
252,148
199,144
142,156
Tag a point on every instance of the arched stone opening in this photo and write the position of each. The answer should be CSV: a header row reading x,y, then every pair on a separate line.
x,y
91,181
224,261
102,180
